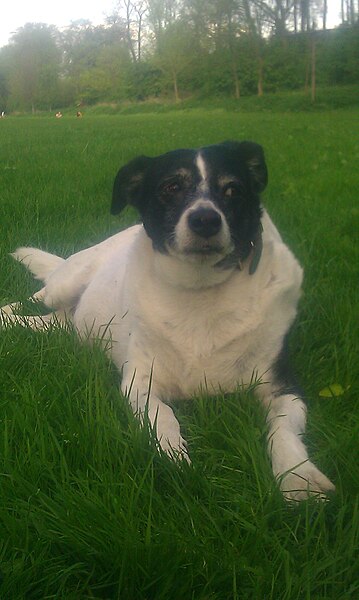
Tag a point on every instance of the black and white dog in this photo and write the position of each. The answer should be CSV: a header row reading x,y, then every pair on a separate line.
x,y
202,295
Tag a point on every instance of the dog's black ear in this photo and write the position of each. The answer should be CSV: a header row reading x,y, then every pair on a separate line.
x,y
127,187
253,156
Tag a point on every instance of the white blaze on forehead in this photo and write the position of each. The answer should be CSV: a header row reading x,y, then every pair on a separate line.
x,y
202,168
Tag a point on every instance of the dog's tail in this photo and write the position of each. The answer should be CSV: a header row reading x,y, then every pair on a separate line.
x,y
40,263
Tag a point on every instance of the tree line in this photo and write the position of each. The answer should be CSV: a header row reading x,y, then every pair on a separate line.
x,y
180,48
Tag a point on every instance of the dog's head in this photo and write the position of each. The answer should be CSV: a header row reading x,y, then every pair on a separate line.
x,y
198,204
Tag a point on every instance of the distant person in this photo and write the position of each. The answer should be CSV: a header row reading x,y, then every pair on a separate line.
x,y
79,114
58,115
2,114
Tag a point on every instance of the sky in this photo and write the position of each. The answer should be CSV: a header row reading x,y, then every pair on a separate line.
x,y
16,13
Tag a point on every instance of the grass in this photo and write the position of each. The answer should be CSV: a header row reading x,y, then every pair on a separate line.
x,y
88,507
327,98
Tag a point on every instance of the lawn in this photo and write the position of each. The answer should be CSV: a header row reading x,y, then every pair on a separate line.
x,y
88,508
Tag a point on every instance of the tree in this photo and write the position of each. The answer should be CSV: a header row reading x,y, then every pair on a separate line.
x,y
134,12
325,13
172,56
96,59
162,14
229,18
219,26
201,47
35,64
304,6
254,28
349,12
274,14
5,66
108,79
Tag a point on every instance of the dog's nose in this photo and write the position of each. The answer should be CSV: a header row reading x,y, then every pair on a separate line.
x,y
205,222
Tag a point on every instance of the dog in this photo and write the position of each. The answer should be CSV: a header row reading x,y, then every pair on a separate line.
x,y
201,295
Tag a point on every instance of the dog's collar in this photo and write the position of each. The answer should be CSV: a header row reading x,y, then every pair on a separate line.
x,y
256,252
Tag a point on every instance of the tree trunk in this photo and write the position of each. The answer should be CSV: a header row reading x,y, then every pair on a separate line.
x,y
352,12
295,16
237,89
175,87
129,7
307,72
325,12
313,61
305,15
260,76
256,42
139,38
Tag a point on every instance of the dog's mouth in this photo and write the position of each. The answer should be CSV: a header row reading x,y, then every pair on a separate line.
x,y
200,250
204,249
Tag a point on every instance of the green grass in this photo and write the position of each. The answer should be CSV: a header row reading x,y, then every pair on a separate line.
x,y
88,508
326,98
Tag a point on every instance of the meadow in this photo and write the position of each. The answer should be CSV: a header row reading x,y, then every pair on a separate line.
x,y
88,507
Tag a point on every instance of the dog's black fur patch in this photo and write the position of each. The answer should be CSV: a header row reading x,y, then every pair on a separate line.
x,y
283,375
161,188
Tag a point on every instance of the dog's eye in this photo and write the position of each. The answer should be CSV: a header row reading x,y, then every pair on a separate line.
x,y
172,187
231,190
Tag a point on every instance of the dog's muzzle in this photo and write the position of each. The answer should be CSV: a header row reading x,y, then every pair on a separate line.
x,y
205,222
202,231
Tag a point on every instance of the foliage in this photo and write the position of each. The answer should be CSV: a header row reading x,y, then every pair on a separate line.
x,y
33,67
178,48
172,56
341,56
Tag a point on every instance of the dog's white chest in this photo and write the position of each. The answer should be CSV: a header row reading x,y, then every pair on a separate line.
x,y
208,346
215,336
210,337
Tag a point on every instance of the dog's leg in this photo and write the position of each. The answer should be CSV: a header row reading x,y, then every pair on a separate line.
x,y
298,476
138,385
38,323
10,315
11,309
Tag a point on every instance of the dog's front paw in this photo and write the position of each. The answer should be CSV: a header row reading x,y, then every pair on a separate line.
x,y
305,481
167,430
173,444
8,314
